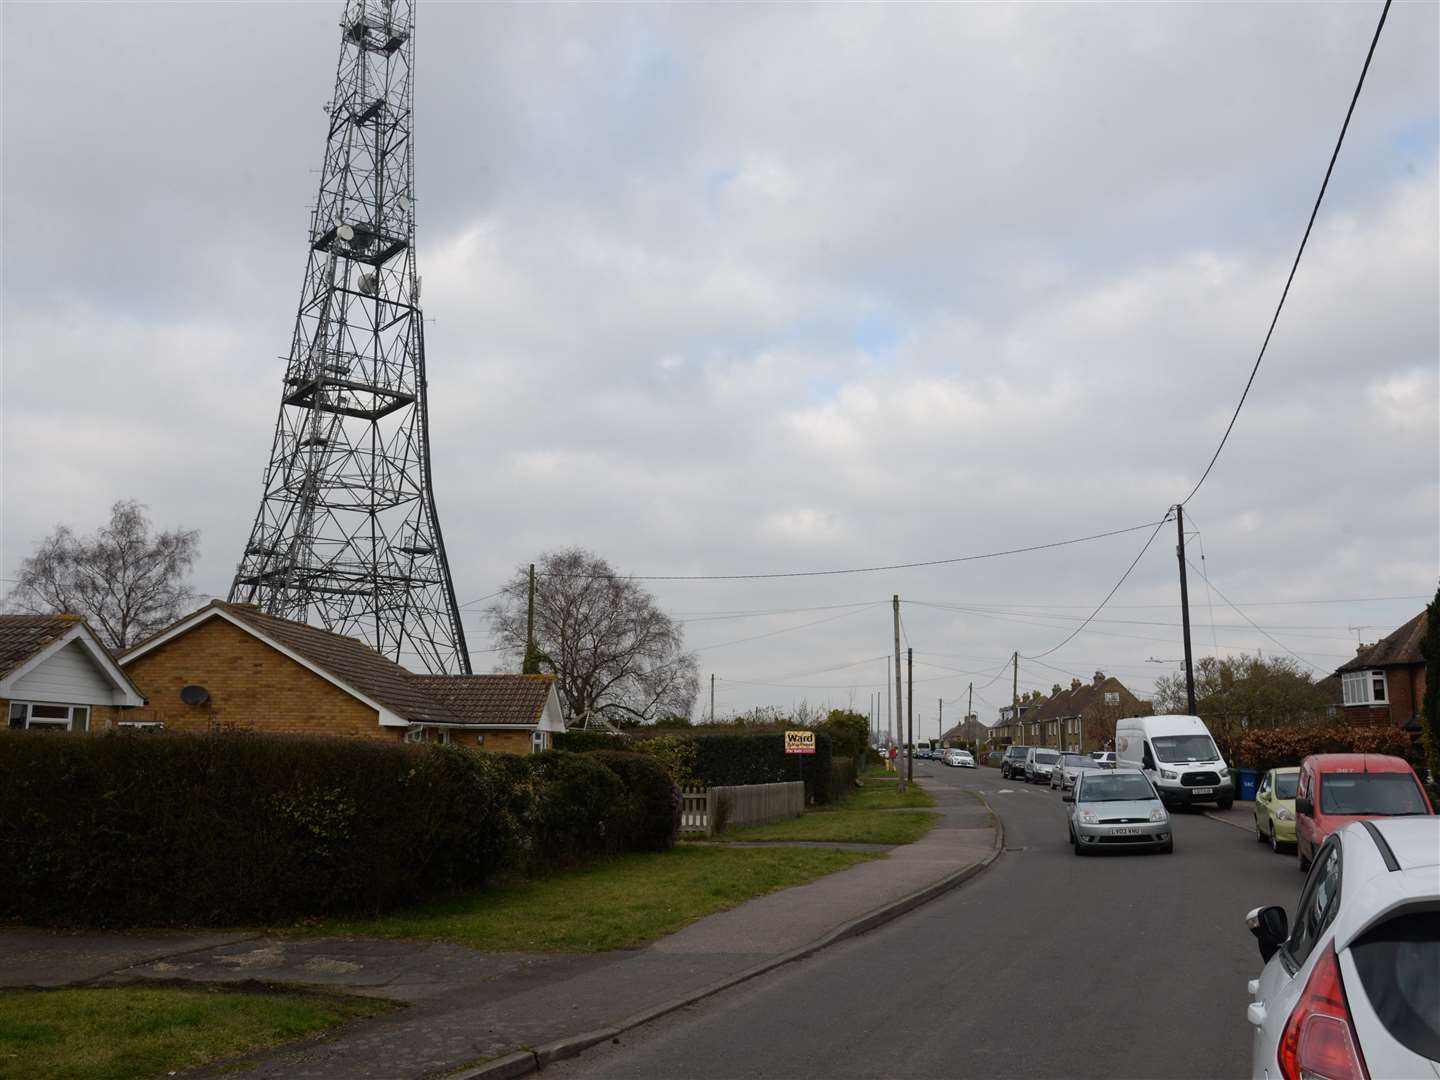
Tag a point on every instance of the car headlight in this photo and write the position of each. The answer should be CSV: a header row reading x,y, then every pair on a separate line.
x,y
1158,814
1170,774
1224,771
1088,817
1284,814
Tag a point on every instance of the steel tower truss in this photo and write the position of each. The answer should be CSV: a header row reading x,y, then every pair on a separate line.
x,y
347,536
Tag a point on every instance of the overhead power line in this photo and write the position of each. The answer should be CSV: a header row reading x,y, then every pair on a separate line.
x,y
1114,589
1242,614
1314,211
867,569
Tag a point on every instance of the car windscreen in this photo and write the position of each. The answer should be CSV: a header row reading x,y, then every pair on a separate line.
x,y
1285,785
1393,793
1045,757
1016,751
1079,760
1173,748
1115,787
1397,961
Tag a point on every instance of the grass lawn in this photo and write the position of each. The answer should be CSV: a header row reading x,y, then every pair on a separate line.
x,y
843,825
855,820
881,793
127,1032
621,903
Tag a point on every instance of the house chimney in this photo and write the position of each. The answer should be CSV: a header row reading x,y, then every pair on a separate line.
x,y
1099,677
1074,684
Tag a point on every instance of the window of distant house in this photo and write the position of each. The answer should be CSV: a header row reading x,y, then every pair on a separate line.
x,y
1112,697
24,714
1364,687
537,741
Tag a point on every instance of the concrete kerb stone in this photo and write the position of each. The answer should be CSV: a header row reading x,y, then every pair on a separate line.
x,y
1241,825
523,1062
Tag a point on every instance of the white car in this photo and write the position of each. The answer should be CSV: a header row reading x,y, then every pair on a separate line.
x,y
1351,990
960,758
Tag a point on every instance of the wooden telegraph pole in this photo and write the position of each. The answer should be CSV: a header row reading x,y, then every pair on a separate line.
x,y
1185,611
910,720
899,696
1015,695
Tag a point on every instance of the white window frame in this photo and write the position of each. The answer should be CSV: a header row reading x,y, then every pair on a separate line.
x,y
537,741
1359,687
33,722
1112,697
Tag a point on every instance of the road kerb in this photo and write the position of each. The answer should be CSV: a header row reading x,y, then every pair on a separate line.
x,y
524,1062
1242,826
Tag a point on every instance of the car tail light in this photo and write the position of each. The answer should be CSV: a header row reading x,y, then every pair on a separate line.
x,y
1319,1040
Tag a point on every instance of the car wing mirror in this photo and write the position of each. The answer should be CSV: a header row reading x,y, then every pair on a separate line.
x,y
1068,796
1305,806
1271,927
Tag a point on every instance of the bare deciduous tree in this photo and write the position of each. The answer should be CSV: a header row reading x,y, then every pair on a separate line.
x,y
127,582
614,654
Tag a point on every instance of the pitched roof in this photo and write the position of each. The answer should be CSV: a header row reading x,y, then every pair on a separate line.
x,y
1395,649
22,636
507,699
349,660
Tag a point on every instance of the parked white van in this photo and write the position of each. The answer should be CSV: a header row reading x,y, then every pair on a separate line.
x,y
1179,756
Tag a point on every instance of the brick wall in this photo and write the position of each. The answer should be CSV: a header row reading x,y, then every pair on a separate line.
x,y
508,742
252,686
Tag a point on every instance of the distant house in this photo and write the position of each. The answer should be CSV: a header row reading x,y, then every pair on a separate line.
x,y
1082,718
230,666
56,675
1386,681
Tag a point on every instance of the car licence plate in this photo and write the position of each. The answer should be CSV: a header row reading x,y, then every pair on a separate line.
x,y
1202,791
1127,831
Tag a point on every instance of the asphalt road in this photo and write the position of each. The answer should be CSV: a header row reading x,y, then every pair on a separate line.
x,y
1047,965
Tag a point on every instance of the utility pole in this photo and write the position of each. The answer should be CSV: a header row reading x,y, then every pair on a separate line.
x,y
1185,610
942,722
531,664
712,697
910,720
1015,695
969,712
899,697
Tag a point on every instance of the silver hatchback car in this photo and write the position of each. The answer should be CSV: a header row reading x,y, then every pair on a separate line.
x,y
1117,808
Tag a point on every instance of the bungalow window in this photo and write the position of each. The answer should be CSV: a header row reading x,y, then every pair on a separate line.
x,y
1364,687
24,714
537,742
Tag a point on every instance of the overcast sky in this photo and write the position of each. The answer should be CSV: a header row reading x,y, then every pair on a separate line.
x,y
742,289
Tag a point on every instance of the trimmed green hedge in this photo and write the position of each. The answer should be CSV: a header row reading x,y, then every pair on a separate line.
x,y
653,810
761,759
582,741
122,830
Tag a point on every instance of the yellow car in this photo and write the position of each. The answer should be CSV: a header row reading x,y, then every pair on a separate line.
x,y
1275,807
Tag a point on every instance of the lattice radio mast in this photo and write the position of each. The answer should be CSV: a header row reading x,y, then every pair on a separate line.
x,y
347,536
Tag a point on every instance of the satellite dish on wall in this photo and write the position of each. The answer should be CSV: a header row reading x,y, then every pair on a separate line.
x,y
194,695
345,232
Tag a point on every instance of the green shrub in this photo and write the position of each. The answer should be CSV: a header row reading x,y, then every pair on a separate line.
x,y
653,816
723,760
117,830
580,808
582,740
1271,748
843,778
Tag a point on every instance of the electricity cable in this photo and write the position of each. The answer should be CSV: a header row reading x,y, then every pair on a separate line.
x,y
1315,210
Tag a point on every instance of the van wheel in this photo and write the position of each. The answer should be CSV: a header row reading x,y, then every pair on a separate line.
x,y
1225,804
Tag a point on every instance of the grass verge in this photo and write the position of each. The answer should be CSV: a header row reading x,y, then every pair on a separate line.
x,y
618,904
131,1032
843,826
876,813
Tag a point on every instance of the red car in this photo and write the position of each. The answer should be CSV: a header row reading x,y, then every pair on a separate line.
x,y
1336,789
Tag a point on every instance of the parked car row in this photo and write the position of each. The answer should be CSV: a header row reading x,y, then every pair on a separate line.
x,y
1038,764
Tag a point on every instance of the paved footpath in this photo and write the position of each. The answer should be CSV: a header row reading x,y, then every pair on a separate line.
x,y
511,1012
